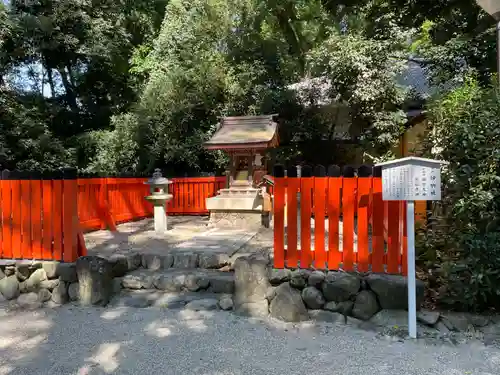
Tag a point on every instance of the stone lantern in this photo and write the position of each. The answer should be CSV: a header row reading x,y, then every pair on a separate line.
x,y
158,186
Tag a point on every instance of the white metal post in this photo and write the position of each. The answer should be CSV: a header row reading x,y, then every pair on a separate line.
x,y
412,298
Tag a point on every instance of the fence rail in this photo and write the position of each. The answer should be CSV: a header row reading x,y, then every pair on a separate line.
x,y
337,222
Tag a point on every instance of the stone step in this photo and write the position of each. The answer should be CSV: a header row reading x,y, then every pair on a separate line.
x,y
171,300
177,280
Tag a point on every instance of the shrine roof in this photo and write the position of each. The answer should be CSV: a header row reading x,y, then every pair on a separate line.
x,y
244,132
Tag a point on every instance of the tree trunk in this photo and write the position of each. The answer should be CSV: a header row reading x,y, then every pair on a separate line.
x,y
68,87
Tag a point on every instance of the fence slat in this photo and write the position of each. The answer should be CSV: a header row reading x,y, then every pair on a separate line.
x,y
377,216
293,186
320,189
57,200
36,218
7,219
348,208
25,223
70,214
47,219
364,192
306,187
279,222
333,208
16,220
393,242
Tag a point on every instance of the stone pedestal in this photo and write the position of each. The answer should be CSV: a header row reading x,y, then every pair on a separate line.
x,y
160,219
236,207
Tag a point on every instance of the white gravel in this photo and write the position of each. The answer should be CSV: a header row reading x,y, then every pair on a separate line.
x,y
73,340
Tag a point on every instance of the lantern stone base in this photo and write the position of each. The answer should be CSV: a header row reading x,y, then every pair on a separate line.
x,y
237,207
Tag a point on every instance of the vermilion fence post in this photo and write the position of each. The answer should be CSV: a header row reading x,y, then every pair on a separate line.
x,y
6,215
70,216
36,216
393,245
47,219
333,209
363,203
306,188
279,217
292,188
25,222
377,218
320,189
348,208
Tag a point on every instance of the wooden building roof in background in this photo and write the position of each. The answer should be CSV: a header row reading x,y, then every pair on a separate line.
x,y
245,132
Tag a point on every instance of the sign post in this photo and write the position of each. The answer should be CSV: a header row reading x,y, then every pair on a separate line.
x,y
411,179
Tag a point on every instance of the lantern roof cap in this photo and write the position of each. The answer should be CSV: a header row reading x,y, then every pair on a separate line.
x,y
158,179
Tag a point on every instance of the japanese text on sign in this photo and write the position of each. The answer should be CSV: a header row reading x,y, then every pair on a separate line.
x,y
411,182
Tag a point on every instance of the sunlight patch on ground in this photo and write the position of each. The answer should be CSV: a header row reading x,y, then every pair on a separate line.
x,y
106,357
194,320
113,313
158,329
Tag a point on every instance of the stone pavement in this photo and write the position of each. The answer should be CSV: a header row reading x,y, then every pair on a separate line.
x,y
187,235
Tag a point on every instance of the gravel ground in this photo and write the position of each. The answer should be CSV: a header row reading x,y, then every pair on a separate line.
x,y
72,340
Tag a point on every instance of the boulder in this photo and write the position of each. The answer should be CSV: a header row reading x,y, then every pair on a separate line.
x,y
140,280
23,271
44,295
456,321
221,283
185,260
327,316
313,298
254,309
202,304
167,261
49,284
250,280
2,274
119,265
33,282
170,283
51,269
365,306
344,307
316,278
134,261
288,305
428,317
152,262
392,290
9,287
95,278
29,300
74,291
117,285
226,302
60,293
390,318
298,278
271,293
340,286
10,270
213,261
67,272
278,276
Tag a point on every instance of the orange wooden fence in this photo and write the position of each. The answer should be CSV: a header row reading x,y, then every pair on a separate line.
x,y
44,218
346,226
104,202
38,218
